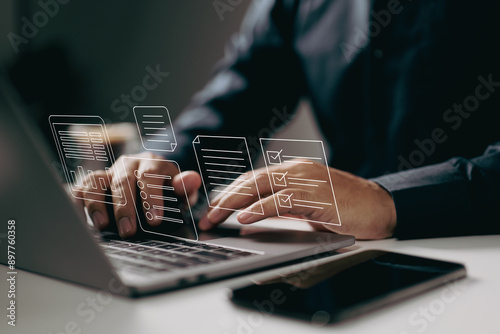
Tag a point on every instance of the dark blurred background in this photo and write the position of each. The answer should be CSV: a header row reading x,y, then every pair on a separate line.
x,y
90,52
84,57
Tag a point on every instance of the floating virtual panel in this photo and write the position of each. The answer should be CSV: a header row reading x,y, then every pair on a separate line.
x,y
84,147
161,208
155,128
222,160
281,156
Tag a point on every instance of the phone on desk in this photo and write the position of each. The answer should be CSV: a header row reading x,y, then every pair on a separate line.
x,y
347,287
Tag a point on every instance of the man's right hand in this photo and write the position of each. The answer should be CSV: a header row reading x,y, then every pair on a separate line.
x,y
125,215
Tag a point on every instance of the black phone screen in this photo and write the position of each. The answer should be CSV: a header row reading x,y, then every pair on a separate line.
x,y
349,286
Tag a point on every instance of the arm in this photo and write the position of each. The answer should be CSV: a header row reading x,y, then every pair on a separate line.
x,y
260,72
457,197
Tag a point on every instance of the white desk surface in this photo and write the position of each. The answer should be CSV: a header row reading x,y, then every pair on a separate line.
x,y
47,305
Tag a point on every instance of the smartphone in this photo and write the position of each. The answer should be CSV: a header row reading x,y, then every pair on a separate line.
x,y
347,287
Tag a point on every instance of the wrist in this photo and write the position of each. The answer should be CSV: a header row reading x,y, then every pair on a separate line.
x,y
388,209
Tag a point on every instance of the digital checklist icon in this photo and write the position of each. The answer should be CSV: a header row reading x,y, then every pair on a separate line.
x,y
279,179
285,152
274,157
285,201
155,198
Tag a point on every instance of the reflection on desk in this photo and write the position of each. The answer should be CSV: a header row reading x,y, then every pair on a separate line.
x,y
47,305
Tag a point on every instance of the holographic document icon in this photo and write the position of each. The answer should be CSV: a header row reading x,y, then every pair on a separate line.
x,y
83,146
222,160
155,128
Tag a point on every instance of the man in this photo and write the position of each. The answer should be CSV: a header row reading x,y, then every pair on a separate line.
x,y
405,92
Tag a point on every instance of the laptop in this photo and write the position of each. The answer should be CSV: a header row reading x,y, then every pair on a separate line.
x,y
54,238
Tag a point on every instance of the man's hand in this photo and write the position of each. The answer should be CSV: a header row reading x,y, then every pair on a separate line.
x,y
366,209
125,216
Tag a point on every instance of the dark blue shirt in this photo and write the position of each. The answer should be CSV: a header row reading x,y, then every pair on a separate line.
x,y
405,92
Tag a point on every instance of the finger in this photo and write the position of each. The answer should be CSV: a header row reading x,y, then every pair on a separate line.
x,y
78,201
230,198
94,201
322,227
252,188
228,205
231,187
261,178
187,183
193,198
204,224
256,183
284,198
124,191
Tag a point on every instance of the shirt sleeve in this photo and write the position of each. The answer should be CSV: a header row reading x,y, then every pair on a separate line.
x,y
454,198
254,89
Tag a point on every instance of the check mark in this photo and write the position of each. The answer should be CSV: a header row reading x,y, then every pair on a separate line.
x,y
285,200
274,157
277,154
279,179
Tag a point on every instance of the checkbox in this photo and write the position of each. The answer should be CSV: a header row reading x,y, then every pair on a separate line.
x,y
279,179
285,201
274,157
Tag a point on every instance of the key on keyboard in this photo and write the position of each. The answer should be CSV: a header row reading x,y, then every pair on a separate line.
x,y
147,256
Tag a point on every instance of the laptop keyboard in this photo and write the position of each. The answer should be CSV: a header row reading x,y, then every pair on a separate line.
x,y
147,256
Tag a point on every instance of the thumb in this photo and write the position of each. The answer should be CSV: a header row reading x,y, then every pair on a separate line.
x,y
191,182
